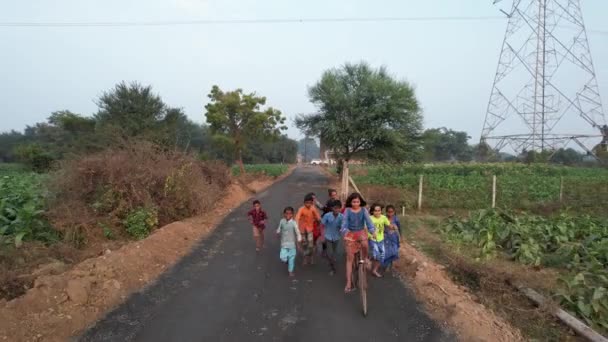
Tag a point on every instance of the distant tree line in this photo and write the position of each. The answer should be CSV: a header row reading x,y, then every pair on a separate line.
x,y
133,111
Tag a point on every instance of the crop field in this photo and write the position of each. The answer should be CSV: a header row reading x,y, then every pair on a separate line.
x,y
576,245
271,170
470,186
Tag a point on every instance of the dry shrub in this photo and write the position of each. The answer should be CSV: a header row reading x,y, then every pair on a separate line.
x,y
100,190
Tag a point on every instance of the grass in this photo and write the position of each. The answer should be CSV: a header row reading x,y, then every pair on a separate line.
x,y
271,170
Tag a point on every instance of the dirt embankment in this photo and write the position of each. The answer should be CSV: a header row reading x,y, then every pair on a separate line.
x,y
61,305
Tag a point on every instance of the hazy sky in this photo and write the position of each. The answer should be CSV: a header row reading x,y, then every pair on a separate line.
x,y
451,64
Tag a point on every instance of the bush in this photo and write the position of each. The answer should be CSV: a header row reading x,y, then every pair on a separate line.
x,y
113,185
35,157
141,222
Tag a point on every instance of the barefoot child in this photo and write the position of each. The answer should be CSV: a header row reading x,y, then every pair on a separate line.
x,y
391,238
306,218
376,243
290,235
257,218
330,230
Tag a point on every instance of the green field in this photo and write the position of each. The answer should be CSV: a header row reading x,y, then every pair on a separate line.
x,y
469,186
575,245
272,170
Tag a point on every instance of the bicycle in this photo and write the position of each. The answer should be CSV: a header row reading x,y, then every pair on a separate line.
x,y
359,279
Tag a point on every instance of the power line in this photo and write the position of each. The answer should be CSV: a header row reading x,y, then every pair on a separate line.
x,y
244,21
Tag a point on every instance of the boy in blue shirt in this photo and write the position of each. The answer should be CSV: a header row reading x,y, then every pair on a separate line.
x,y
330,233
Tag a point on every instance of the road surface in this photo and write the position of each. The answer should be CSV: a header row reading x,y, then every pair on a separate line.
x,y
224,291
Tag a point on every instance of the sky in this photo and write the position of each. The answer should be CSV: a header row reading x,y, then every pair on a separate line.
x,y
450,63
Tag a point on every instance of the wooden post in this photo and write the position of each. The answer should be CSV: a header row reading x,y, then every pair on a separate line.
x,y
420,192
493,191
403,211
561,189
344,180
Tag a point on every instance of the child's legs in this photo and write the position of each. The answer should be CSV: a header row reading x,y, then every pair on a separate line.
x,y
310,243
261,237
256,236
284,254
291,259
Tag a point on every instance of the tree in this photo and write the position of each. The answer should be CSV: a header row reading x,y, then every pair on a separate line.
x,y
362,110
235,117
567,156
133,109
8,142
442,144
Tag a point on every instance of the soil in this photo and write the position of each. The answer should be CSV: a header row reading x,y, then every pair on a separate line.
x,y
63,302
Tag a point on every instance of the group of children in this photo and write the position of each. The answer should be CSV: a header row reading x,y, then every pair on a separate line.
x,y
327,225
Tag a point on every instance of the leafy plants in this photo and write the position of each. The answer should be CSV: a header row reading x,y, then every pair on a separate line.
x,y
140,222
578,245
22,209
469,186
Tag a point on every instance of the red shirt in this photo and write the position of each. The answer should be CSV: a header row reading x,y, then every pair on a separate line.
x,y
256,217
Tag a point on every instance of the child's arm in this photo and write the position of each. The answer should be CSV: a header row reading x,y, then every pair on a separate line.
x,y
279,227
298,234
344,225
371,228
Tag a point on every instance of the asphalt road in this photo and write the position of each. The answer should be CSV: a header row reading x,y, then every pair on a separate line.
x,y
224,291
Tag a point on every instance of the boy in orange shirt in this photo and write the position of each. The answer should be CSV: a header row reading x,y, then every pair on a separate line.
x,y
306,218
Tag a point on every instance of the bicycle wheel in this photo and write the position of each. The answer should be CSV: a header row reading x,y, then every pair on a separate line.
x,y
363,288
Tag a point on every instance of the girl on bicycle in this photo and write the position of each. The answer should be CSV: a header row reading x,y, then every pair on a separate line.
x,y
376,243
354,221
392,238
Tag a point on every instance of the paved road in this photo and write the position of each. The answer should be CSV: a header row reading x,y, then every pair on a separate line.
x,y
223,291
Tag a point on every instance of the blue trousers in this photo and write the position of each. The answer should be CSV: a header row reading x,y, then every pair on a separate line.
x,y
288,255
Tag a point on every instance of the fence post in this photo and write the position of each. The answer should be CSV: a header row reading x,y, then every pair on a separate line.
x,y
420,192
493,191
561,189
403,211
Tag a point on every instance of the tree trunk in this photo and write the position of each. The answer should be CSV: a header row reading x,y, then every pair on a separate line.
x,y
239,160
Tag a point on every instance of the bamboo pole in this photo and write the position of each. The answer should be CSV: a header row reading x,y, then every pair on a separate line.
x,y
354,185
420,192
493,191
571,321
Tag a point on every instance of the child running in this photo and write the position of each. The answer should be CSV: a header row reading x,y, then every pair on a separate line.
x,y
330,233
257,218
354,221
376,243
306,218
289,234
391,238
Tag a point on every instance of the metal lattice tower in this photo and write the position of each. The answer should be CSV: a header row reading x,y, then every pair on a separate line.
x,y
545,93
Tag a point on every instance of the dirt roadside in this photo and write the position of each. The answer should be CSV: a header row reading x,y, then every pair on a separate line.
x,y
60,306
445,301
